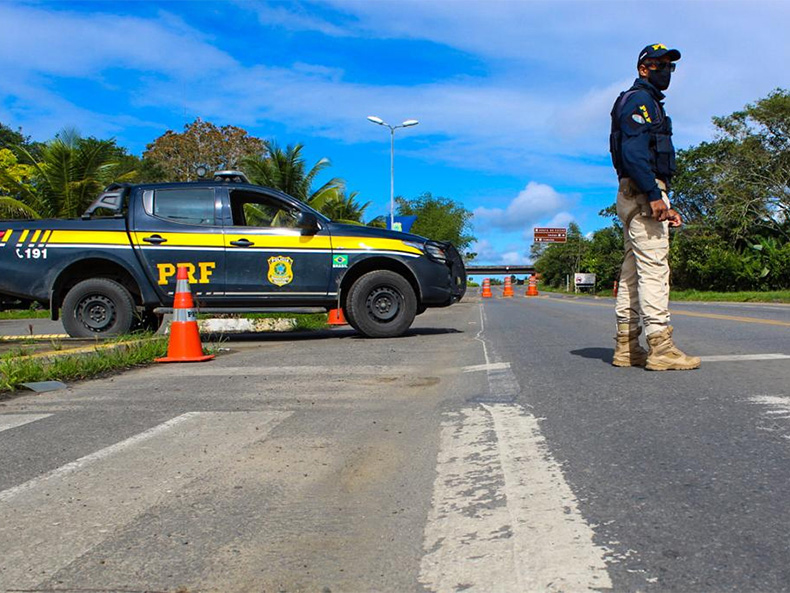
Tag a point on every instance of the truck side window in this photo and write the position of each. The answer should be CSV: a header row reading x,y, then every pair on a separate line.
x,y
188,206
256,210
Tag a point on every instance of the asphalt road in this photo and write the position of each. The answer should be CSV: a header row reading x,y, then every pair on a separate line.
x,y
494,448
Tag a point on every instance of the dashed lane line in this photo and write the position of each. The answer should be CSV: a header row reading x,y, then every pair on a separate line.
x,y
503,517
49,521
740,357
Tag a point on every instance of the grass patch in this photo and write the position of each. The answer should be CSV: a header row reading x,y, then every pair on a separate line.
x,y
773,296
25,314
139,349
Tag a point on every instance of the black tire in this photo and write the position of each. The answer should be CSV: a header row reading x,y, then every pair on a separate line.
x,y
98,307
382,304
350,317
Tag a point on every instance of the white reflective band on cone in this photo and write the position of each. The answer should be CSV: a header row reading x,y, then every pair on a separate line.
x,y
182,286
184,315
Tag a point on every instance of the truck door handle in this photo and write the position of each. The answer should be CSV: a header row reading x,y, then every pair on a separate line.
x,y
155,239
242,243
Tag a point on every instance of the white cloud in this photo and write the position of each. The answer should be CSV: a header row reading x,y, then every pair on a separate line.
x,y
488,253
552,71
535,202
63,43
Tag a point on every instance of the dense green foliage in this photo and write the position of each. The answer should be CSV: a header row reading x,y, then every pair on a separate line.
x,y
734,195
440,219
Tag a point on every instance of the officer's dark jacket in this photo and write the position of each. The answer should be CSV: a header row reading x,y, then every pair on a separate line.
x,y
641,138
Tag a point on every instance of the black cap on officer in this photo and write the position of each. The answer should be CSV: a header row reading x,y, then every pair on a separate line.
x,y
657,50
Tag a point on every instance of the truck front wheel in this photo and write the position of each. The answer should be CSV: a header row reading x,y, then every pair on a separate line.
x,y
97,307
382,304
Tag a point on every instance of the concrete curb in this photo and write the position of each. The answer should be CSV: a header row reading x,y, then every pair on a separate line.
x,y
235,325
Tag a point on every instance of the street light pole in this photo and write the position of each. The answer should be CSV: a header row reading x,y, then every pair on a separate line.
x,y
406,124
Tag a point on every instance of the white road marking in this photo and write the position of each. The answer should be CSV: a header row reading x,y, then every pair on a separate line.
x,y
68,511
503,517
8,421
738,357
779,404
486,367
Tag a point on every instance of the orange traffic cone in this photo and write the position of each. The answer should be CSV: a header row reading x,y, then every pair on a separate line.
x,y
487,289
508,291
336,317
532,289
184,345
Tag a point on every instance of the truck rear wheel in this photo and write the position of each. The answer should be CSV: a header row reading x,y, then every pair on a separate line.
x,y
97,307
382,304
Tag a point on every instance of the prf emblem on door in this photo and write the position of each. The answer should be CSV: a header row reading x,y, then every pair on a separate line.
x,y
280,270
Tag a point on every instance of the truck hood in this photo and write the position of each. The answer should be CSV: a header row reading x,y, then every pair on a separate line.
x,y
353,230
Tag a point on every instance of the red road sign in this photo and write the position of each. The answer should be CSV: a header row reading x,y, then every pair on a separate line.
x,y
550,235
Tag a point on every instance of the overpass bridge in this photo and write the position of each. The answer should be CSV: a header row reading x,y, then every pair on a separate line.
x,y
499,270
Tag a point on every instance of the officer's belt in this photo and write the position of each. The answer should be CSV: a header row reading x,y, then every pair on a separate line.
x,y
627,183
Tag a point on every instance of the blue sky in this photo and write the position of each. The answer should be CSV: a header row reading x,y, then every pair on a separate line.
x,y
513,97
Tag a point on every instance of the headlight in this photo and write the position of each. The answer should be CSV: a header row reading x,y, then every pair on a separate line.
x,y
435,252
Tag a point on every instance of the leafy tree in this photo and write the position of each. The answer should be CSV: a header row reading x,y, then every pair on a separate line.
x,y
14,180
15,139
739,184
11,138
286,170
440,219
177,156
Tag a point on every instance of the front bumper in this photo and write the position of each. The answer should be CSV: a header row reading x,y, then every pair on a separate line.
x,y
441,284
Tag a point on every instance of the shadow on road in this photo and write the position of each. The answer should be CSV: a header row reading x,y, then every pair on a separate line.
x,y
604,354
297,336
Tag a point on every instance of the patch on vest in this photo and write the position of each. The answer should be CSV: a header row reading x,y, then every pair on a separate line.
x,y
638,118
645,114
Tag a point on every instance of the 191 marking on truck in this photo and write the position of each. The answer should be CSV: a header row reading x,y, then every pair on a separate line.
x,y
31,253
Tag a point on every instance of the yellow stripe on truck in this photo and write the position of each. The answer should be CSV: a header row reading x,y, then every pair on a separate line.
x,y
88,237
23,236
372,244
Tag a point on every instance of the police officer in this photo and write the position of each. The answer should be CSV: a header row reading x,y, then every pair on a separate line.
x,y
644,157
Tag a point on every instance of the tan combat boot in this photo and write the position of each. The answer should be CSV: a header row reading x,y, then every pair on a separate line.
x,y
627,351
665,356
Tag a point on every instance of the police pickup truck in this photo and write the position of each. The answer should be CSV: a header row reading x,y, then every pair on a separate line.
x,y
246,247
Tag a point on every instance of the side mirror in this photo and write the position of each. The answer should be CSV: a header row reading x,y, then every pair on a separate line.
x,y
308,222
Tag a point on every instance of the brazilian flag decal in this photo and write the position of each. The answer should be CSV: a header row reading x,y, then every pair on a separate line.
x,y
339,261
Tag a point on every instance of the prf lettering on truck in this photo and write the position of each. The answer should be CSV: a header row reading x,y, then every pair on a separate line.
x,y
167,272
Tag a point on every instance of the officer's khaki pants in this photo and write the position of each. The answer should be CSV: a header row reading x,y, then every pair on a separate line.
x,y
643,290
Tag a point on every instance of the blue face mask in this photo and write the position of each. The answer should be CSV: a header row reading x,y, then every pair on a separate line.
x,y
660,78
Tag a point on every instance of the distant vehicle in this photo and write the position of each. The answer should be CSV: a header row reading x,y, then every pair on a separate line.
x,y
246,247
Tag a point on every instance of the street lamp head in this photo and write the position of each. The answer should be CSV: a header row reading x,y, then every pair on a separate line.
x,y
410,122
376,120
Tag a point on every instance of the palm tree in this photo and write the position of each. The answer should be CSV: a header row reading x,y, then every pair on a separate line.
x,y
344,208
287,171
70,173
